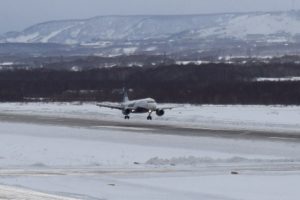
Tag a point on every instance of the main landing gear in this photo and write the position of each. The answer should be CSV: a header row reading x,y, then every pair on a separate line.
x,y
127,117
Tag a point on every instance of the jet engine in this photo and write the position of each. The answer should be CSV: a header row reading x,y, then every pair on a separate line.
x,y
160,112
126,112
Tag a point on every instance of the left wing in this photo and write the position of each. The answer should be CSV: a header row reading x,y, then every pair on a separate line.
x,y
168,107
119,107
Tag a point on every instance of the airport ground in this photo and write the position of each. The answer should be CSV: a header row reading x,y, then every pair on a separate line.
x,y
70,151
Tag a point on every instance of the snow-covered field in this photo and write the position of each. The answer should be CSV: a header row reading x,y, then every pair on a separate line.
x,y
60,162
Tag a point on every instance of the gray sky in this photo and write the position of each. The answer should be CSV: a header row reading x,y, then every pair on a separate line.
x,y
19,14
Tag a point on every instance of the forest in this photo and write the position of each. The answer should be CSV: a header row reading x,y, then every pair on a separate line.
x,y
196,84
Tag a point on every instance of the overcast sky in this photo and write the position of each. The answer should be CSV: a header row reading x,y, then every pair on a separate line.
x,y
19,14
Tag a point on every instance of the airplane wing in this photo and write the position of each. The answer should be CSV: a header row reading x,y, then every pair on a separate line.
x,y
119,107
168,108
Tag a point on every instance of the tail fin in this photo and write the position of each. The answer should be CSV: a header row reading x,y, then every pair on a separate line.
x,y
125,95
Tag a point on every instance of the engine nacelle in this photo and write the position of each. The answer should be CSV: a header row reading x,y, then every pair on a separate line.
x,y
160,113
126,112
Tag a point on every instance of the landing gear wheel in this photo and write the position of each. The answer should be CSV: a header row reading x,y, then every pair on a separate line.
x,y
126,117
149,118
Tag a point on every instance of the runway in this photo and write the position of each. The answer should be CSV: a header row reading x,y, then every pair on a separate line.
x,y
148,127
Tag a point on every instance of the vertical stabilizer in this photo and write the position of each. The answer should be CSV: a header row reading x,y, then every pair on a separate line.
x,y
125,95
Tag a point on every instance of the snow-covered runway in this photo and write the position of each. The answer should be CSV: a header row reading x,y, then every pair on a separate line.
x,y
64,160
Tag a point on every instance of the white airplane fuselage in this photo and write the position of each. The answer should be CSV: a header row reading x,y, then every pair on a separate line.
x,y
147,105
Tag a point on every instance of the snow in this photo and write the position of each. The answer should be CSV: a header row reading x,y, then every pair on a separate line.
x,y
76,69
75,33
25,38
228,187
104,163
97,44
51,35
210,187
153,48
7,64
207,32
130,50
278,40
71,41
196,62
264,24
262,79
120,163
17,193
107,152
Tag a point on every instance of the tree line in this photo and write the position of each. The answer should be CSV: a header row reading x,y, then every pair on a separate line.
x,y
198,84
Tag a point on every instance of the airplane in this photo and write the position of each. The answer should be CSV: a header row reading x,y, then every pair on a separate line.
x,y
147,105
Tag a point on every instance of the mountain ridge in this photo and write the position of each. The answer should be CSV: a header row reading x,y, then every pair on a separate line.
x,y
165,32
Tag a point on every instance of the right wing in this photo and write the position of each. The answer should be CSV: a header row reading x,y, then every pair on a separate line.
x,y
119,107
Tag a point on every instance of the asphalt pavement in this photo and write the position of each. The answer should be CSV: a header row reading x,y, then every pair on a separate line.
x,y
147,127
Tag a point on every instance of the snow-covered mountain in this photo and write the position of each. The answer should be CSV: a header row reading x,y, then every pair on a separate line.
x,y
107,28
149,33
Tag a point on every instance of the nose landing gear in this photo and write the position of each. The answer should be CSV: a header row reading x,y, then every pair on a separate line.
x,y
126,117
149,116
